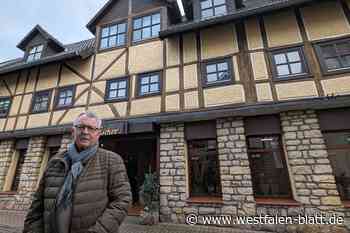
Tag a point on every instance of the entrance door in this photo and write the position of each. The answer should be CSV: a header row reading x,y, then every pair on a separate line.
x,y
139,155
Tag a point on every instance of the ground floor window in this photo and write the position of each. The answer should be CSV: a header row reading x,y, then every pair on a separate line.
x,y
204,168
338,145
19,169
268,167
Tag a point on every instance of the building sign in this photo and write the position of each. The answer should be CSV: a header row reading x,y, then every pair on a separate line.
x,y
114,128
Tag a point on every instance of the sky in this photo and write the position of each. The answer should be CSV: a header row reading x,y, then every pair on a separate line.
x,y
63,19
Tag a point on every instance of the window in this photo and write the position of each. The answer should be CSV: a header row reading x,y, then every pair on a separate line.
x,y
65,97
289,63
113,36
268,167
204,168
19,169
146,27
35,53
334,56
210,8
338,145
53,151
149,84
217,72
117,89
4,106
41,102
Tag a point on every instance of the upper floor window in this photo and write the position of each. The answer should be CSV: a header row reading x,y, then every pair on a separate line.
x,y
334,56
35,53
289,63
149,84
113,36
4,106
117,89
41,101
146,27
65,97
217,72
210,8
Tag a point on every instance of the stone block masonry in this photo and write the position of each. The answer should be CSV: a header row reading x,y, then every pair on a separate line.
x,y
310,167
30,172
7,149
236,181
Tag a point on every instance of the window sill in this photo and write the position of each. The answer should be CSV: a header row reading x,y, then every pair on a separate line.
x,y
7,193
277,201
100,50
346,204
205,200
335,72
292,78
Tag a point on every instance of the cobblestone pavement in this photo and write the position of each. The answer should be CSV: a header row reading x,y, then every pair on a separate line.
x,y
131,226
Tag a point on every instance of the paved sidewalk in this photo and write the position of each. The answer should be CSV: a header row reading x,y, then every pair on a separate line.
x,y
131,225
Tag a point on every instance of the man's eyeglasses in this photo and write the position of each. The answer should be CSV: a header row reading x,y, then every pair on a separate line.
x,y
89,128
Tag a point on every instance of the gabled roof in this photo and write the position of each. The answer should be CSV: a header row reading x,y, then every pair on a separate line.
x,y
38,29
91,24
81,49
252,7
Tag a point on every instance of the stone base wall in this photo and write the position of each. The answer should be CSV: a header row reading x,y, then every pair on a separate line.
x,y
30,172
7,149
310,171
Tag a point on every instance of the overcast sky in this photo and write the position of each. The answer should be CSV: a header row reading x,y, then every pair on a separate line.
x,y
64,19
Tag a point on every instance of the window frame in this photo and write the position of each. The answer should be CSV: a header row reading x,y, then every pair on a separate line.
x,y
231,72
29,54
303,60
220,193
8,110
336,147
138,86
318,48
226,4
143,16
284,161
108,87
57,97
37,94
109,25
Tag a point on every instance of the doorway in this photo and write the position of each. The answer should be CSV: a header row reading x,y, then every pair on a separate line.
x,y
139,153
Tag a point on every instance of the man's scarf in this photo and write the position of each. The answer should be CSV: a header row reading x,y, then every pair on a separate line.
x,y
65,195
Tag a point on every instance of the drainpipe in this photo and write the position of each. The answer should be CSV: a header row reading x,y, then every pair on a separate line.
x,y
182,10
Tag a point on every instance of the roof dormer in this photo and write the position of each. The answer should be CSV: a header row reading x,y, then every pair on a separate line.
x,y
38,44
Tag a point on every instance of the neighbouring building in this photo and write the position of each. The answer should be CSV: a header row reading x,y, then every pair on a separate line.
x,y
241,107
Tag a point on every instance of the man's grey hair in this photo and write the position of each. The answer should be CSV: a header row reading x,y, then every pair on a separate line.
x,y
90,115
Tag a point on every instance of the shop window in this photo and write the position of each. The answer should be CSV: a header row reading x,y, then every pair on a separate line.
x,y
204,168
217,72
334,56
149,84
210,8
338,145
19,169
146,27
5,103
35,53
117,89
268,167
289,63
113,36
65,97
41,102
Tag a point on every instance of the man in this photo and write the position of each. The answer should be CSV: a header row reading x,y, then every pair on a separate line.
x,y
84,189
